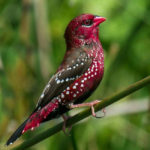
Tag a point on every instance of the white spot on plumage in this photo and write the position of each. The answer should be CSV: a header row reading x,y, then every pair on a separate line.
x,y
67,92
76,83
77,65
74,95
96,54
86,74
78,59
62,95
58,81
42,95
77,76
62,80
82,85
68,88
69,68
82,63
82,81
74,67
85,79
48,85
59,74
67,79
74,87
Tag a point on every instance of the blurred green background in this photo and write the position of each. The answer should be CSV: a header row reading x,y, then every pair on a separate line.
x,y
32,47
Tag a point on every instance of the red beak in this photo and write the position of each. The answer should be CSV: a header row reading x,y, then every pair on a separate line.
x,y
98,20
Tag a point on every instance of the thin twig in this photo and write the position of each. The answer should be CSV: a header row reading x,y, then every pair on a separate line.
x,y
105,102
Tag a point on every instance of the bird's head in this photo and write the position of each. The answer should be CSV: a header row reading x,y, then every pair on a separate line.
x,y
83,28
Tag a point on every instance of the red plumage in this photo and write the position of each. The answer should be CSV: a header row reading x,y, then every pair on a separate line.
x,y
77,77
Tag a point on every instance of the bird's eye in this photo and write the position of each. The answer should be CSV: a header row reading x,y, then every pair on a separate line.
x,y
87,22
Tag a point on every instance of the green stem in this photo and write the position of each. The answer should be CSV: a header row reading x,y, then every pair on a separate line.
x,y
105,102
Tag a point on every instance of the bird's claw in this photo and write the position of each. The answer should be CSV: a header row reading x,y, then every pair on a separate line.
x,y
93,110
97,117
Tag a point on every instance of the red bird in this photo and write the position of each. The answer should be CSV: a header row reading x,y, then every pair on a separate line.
x,y
77,77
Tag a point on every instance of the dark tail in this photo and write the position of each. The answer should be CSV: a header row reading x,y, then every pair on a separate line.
x,y
17,133
46,113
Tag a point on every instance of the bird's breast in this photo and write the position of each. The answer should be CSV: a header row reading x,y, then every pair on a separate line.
x,y
84,84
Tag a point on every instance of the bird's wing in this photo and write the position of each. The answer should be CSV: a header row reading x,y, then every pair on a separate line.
x,y
73,66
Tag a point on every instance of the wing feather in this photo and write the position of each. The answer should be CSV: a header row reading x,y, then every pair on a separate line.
x,y
72,67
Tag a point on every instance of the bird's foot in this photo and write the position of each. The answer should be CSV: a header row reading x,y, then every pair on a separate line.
x,y
90,104
104,112
65,118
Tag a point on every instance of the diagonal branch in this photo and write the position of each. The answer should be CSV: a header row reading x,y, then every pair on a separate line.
x,y
105,102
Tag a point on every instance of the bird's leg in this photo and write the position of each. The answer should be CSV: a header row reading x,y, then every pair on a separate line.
x,y
65,118
90,104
